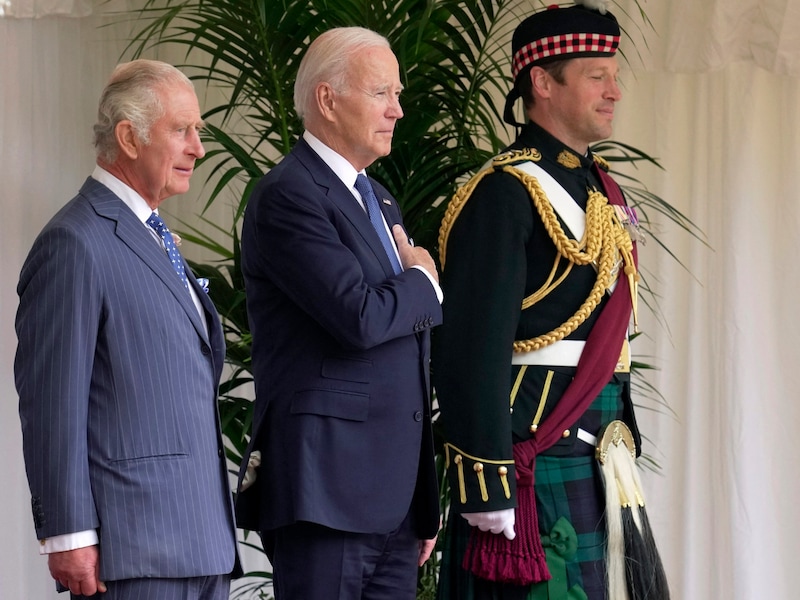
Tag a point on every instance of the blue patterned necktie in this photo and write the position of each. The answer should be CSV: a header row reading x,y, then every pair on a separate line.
x,y
364,188
169,245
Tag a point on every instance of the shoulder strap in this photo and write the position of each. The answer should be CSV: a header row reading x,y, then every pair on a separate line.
x,y
570,212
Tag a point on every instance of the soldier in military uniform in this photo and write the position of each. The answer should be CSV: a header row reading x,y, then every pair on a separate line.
x,y
539,274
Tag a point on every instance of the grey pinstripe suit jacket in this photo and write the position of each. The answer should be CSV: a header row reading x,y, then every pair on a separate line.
x,y
117,384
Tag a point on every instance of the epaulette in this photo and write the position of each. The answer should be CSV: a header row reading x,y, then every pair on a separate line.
x,y
601,162
513,157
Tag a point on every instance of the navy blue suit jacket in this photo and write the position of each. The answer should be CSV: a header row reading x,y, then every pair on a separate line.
x,y
340,358
117,382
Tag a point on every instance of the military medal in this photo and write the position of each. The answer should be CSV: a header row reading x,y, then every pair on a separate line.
x,y
630,221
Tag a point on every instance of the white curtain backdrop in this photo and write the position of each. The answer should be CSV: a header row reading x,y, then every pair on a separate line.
x,y
723,501
45,8
714,94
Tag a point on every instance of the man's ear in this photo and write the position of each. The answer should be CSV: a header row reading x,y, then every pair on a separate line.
x,y
541,81
325,98
127,139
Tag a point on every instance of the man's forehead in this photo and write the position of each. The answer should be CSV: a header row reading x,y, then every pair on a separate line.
x,y
594,63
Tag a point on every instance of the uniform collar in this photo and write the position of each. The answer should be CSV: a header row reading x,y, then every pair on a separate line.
x,y
553,149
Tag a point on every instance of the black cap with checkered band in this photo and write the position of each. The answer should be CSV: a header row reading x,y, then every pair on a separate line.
x,y
585,29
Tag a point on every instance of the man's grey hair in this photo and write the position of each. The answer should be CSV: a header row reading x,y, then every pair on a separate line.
x,y
132,94
327,60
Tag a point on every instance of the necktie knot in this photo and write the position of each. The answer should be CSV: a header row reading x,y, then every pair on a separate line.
x,y
162,230
364,188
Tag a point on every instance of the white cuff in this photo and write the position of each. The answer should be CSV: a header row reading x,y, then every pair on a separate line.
x,y
68,541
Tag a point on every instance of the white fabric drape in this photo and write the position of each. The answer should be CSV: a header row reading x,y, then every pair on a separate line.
x,y
45,8
722,504
715,96
706,35
717,100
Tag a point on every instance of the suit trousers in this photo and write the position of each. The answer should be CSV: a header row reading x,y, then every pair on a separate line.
x,y
313,562
212,587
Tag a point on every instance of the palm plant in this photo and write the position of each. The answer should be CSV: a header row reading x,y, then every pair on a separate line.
x,y
251,49
454,65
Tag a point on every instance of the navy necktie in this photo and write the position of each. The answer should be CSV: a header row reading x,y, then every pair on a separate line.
x,y
364,188
169,245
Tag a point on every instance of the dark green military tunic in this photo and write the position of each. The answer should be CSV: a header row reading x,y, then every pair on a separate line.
x,y
498,253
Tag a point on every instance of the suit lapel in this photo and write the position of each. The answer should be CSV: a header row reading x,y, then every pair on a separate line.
x,y
216,337
135,236
343,198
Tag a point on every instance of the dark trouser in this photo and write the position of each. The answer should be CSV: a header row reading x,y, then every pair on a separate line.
x,y
212,587
312,562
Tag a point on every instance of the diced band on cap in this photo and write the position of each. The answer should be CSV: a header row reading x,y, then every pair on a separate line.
x,y
568,45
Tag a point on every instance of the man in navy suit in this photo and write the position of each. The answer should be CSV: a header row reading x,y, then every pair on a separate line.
x,y
119,358
346,492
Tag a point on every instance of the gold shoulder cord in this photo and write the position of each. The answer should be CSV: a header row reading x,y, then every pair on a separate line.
x,y
604,239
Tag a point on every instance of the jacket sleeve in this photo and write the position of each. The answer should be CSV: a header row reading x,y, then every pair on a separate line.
x,y
484,283
57,324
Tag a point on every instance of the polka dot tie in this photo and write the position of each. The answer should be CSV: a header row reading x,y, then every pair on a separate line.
x,y
364,188
169,245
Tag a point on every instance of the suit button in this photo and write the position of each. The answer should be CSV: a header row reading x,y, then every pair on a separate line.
x,y
418,416
221,452
205,350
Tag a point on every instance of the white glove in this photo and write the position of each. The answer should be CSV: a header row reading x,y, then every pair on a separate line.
x,y
496,521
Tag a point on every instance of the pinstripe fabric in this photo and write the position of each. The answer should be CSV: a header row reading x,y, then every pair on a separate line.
x,y
117,382
216,587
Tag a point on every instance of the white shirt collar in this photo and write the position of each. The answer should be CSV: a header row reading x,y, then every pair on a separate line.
x,y
127,194
338,163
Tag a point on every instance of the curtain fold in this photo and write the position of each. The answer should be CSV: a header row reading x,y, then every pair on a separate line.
x,y
722,503
707,35
26,9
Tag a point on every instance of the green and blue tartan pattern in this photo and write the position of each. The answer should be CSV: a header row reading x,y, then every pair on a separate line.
x,y
569,487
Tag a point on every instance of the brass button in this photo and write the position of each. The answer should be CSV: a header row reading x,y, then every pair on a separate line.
x,y
502,471
478,467
566,433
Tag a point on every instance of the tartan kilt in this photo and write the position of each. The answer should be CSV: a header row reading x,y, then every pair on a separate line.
x,y
565,486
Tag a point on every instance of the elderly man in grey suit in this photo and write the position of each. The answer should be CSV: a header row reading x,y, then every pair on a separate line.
x,y
119,358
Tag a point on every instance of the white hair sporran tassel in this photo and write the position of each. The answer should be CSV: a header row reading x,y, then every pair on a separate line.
x,y
633,565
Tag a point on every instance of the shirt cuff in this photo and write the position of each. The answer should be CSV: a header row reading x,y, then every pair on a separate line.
x,y
436,287
68,541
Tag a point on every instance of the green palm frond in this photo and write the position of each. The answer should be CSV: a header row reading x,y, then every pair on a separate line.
x,y
248,51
